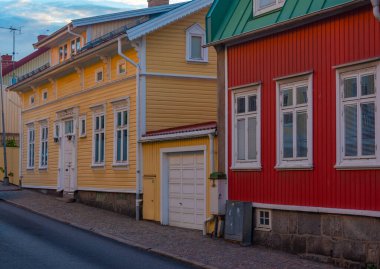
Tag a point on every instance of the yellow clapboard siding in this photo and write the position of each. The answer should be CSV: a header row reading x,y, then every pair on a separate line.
x,y
152,172
166,49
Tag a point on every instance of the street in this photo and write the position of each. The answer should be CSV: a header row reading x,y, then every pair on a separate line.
x,y
28,240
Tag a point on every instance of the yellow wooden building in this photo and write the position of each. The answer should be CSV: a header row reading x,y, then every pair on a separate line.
x,y
124,118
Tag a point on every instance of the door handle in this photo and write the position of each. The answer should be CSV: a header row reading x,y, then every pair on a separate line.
x,y
180,204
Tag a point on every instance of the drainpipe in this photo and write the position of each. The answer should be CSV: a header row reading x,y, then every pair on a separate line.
x,y
376,8
138,146
75,34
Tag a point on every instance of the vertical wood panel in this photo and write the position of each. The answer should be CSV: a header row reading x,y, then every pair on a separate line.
x,y
320,46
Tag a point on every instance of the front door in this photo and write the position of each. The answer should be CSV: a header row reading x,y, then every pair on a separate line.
x,y
68,158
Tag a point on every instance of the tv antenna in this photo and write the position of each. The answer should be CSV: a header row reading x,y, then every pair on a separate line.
x,y
13,30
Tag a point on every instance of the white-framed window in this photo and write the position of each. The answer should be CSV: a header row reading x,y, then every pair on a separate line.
x,y
358,128
295,123
82,126
44,95
32,100
121,136
99,75
30,148
69,129
75,45
195,39
247,128
264,6
44,138
60,54
65,53
263,219
98,139
121,67
57,131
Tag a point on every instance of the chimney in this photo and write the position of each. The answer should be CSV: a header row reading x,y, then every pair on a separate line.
x,y
155,3
6,60
40,37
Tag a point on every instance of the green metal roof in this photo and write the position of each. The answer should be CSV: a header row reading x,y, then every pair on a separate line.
x,y
229,18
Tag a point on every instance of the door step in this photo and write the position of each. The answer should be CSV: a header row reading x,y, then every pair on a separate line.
x,y
67,197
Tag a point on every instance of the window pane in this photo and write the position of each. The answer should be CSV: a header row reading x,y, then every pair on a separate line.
x,y
302,95
72,46
118,146
97,148
302,134
288,135
99,76
102,122
125,145
252,150
83,127
368,84
196,47
97,125
368,129
241,105
266,3
101,147
122,68
252,103
287,97
350,130
241,139
125,116
119,119
78,44
350,88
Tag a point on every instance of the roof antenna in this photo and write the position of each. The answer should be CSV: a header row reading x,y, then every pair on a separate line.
x,y
13,30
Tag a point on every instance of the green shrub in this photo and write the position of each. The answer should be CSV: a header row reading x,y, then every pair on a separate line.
x,y
11,143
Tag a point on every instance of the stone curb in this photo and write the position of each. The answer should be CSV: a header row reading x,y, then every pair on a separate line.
x,y
115,238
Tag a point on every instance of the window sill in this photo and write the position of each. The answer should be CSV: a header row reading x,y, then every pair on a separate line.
x,y
301,167
43,168
191,61
30,169
237,168
118,166
357,166
263,229
98,166
83,136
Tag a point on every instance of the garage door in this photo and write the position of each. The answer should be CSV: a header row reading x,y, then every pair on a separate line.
x,y
187,190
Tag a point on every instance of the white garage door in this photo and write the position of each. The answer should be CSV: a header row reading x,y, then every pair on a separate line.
x,y
187,190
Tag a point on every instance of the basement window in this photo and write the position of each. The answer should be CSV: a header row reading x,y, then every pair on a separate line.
x,y
264,6
263,220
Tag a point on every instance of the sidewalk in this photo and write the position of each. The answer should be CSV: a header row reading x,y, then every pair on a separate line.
x,y
186,245
10,187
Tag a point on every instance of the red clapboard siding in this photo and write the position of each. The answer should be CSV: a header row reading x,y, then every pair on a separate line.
x,y
319,46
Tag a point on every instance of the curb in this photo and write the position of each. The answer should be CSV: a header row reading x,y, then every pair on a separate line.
x,y
115,238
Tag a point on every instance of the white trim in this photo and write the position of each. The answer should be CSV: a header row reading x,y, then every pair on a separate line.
x,y
177,136
42,126
196,30
257,11
116,110
356,70
164,166
94,116
106,190
172,75
97,71
226,119
167,18
263,227
338,211
246,93
30,128
294,163
39,187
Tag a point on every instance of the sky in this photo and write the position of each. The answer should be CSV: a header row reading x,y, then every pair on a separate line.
x,y
36,17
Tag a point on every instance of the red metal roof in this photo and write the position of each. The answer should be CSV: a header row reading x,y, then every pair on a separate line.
x,y
183,129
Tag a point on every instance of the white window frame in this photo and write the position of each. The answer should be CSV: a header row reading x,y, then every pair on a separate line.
x,y
45,91
100,131
197,31
258,11
97,71
74,41
30,162
360,162
246,164
44,141
263,227
122,128
120,62
82,133
59,134
294,163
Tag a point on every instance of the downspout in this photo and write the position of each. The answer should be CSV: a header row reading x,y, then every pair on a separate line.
x,y
75,34
376,8
138,162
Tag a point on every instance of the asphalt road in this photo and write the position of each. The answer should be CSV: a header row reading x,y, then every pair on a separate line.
x,y
28,240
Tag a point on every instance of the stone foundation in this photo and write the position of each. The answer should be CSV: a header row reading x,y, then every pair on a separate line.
x,y
346,241
123,203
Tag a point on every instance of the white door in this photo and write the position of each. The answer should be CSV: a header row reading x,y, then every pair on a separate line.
x,y
68,164
186,190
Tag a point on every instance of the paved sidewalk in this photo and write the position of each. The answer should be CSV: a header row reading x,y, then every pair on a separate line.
x,y
10,187
182,244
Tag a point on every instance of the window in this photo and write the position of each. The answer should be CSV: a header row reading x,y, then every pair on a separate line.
x,y
82,126
60,54
121,67
57,132
32,100
294,124
357,118
65,51
44,95
99,75
263,220
75,46
99,139
195,39
69,127
44,147
264,6
121,136
30,150
246,135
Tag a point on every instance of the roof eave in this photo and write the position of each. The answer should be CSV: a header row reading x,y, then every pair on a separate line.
x,y
287,25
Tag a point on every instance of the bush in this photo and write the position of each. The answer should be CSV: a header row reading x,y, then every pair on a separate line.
x,y
11,143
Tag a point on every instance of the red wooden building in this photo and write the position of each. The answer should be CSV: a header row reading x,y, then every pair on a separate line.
x,y
301,100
